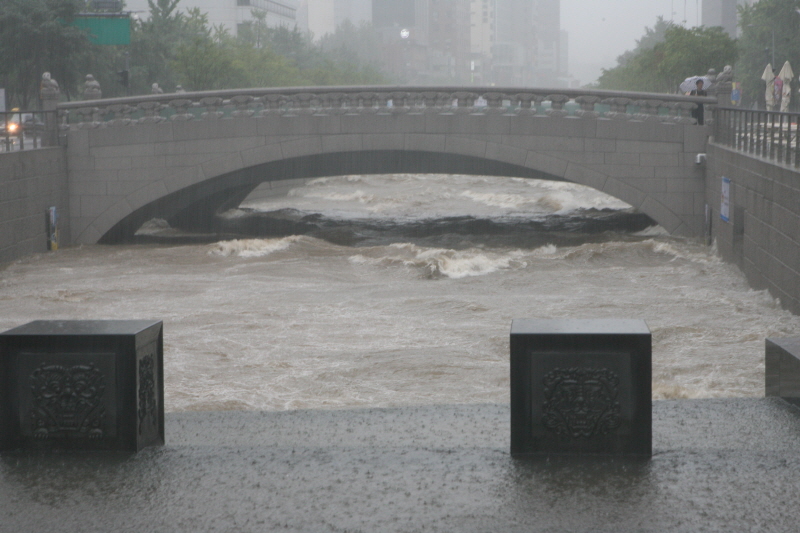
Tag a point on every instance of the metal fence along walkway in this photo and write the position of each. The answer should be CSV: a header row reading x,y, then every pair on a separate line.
x,y
768,134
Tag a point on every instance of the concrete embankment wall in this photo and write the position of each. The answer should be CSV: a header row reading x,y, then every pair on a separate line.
x,y
31,181
762,233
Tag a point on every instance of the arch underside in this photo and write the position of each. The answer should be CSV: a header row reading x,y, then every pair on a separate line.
x,y
197,205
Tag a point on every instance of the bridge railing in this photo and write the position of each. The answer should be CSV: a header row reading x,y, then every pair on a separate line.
x,y
768,134
213,105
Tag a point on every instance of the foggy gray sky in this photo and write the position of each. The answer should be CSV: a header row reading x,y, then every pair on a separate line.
x,y
600,30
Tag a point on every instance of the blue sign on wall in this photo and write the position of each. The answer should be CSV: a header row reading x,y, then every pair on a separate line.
x,y
724,208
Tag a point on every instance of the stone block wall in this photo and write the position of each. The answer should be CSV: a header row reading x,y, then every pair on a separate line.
x,y
118,172
762,235
31,181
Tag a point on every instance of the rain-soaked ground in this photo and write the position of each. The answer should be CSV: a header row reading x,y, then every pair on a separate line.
x,y
718,465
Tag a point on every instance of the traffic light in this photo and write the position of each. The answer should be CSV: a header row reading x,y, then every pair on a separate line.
x,y
123,78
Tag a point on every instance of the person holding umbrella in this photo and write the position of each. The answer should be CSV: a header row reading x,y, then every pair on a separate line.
x,y
698,112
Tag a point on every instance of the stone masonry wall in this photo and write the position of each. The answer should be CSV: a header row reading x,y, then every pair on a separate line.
x,y
31,181
762,235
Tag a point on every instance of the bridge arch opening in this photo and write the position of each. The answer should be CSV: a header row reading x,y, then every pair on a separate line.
x,y
198,206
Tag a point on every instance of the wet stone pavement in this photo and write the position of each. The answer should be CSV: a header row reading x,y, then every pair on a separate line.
x,y
729,465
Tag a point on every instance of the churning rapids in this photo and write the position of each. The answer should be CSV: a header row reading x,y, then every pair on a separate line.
x,y
400,289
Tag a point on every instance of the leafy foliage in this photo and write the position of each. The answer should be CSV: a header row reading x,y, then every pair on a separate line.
x,y
758,23
171,47
200,57
668,54
35,37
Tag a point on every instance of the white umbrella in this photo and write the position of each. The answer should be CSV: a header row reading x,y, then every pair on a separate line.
x,y
786,75
769,77
690,83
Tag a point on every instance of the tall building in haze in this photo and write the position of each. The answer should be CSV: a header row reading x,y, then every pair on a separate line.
x,y
232,14
516,42
720,13
324,16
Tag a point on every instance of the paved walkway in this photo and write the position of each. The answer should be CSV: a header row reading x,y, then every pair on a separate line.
x,y
718,465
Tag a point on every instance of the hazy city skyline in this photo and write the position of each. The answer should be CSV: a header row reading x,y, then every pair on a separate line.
x,y
601,30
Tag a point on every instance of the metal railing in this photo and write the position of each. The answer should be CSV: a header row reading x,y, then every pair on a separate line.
x,y
25,130
286,101
768,134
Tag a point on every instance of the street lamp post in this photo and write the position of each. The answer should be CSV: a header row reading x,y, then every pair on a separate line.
x,y
773,48
772,30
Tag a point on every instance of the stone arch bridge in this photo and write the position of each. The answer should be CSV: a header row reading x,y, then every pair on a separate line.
x,y
192,154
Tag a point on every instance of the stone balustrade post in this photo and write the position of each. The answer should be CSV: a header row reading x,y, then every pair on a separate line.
x,y
243,106
212,105
557,102
528,103
181,107
587,106
50,94
618,108
393,101
494,102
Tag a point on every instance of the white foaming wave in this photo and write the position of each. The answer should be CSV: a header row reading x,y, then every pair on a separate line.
x,y
552,196
616,248
701,256
153,226
252,247
356,196
334,179
569,203
232,214
611,249
505,201
652,231
547,249
551,185
566,196
441,262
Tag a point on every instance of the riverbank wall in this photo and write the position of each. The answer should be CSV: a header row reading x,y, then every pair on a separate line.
x,y
754,216
31,182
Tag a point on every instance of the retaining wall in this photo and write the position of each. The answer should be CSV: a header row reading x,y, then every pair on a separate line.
x,y
762,233
31,181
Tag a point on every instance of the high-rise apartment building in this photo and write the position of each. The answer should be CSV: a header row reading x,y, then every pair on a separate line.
x,y
481,39
720,13
231,14
547,67
517,42
324,16
449,41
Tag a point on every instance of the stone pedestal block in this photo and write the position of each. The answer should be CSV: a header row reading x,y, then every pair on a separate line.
x,y
782,369
82,385
581,387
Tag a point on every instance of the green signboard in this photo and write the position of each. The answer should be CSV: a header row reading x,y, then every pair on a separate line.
x,y
106,29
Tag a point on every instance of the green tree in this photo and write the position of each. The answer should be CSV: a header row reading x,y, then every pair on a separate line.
x,y
652,36
692,51
36,37
760,23
154,43
169,47
668,54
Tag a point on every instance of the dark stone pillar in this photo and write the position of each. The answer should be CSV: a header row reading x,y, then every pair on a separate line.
x,y
82,385
782,369
581,387
50,94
